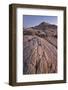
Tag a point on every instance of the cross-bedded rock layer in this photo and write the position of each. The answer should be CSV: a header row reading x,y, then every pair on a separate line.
x,y
40,49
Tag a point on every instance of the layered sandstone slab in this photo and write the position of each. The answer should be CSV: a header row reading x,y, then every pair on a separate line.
x,y
40,50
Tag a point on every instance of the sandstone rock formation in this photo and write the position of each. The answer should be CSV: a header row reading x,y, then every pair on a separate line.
x,y
40,49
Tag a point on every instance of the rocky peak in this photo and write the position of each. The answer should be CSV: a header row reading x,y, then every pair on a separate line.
x,y
44,23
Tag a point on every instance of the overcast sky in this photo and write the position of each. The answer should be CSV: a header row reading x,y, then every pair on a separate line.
x,y
33,20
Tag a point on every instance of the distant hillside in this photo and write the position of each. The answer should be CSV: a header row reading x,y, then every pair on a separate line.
x,y
44,26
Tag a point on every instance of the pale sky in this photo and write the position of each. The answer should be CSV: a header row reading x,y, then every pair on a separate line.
x,y
33,20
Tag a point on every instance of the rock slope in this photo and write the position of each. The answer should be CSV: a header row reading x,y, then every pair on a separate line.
x,y
40,49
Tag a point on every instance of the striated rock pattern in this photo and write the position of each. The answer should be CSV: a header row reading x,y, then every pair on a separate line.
x,y
40,49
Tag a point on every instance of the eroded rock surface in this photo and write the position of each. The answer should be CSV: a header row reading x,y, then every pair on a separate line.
x,y
40,50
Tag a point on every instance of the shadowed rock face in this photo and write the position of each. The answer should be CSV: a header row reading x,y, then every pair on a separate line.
x,y
40,50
